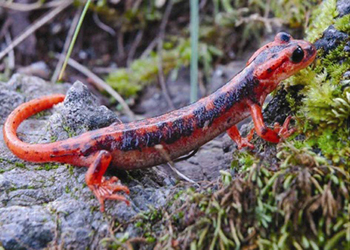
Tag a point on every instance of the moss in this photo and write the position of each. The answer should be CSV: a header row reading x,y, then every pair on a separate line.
x,y
304,203
343,24
47,167
321,19
69,131
53,138
20,165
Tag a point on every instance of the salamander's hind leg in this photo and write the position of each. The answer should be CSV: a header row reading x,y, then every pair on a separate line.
x,y
102,188
241,142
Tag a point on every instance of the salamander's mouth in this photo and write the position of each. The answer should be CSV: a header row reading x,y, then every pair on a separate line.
x,y
311,52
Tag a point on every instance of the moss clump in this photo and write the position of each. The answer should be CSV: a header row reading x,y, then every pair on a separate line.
x,y
321,19
324,109
302,205
343,24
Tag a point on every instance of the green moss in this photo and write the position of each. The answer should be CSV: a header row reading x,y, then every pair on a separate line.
x,y
42,114
321,18
304,203
69,131
324,108
47,167
20,165
53,138
343,24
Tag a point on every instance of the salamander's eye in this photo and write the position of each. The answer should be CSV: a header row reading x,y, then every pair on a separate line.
x,y
284,37
298,55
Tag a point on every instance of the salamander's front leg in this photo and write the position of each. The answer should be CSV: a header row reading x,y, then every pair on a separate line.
x,y
241,142
104,189
266,133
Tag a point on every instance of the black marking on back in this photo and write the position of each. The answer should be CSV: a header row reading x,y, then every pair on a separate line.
x,y
172,131
107,143
130,140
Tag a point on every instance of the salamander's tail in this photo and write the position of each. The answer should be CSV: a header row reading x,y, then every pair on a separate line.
x,y
26,151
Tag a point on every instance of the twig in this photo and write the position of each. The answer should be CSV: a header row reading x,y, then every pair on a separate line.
x,y
100,83
120,44
160,56
256,17
182,175
66,45
136,5
185,157
150,47
202,4
134,46
36,25
30,6
5,27
11,62
103,26
170,163
103,70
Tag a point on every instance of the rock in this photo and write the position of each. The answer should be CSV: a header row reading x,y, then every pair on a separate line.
x,y
79,113
343,7
39,69
330,39
26,227
49,205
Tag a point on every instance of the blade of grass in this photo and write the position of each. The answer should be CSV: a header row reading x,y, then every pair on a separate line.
x,y
86,7
194,26
67,43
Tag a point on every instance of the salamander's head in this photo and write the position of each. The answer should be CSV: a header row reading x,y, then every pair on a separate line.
x,y
281,58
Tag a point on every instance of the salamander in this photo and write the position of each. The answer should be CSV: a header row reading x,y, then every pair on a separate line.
x,y
142,143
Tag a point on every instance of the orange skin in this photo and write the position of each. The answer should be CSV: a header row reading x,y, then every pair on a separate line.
x,y
143,143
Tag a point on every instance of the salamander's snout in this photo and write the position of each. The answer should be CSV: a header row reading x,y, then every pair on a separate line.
x,y
310,50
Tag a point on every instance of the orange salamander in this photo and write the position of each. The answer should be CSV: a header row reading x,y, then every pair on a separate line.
x,y
136,144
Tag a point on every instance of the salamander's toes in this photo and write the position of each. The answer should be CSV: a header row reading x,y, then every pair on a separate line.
x,y
244,142
107,189
283,131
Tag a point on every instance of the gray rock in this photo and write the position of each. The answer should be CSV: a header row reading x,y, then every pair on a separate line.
x,y
343,7
79,113
331,38
49,205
